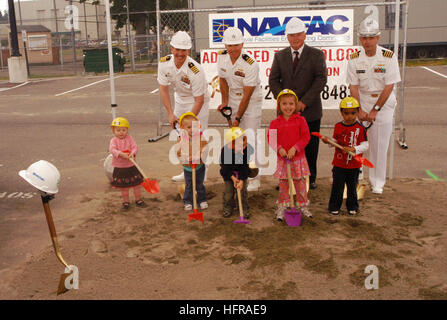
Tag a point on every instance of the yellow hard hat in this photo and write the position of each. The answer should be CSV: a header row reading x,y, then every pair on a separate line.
x,y
233,133
189,113
349,103
120,122
283,92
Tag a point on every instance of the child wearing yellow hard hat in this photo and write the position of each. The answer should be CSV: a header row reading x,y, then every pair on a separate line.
x,y
289,135
190,131
234,169
350,134
125,175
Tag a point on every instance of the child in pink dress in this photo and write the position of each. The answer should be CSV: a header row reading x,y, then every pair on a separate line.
x,y
125,174
289,134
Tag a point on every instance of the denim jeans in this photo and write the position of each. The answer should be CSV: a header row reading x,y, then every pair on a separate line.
x,y
200,188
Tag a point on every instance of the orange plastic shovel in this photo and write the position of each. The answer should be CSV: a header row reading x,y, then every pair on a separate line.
x,y
357,157
151,186
196,215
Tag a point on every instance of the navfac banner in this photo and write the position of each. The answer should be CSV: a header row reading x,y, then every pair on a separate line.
x,y
267,29
336,66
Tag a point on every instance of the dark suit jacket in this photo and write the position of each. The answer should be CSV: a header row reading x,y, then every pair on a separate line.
x,y
307,82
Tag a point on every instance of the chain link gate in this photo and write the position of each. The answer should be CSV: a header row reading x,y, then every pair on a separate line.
x,y
196,23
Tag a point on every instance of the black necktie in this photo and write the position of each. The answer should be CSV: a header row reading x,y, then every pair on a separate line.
x,y
295,60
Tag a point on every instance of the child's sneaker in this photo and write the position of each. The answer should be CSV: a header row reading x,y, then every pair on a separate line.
x,y
203,205
352,212
246,215
306,212
334,212
188,207
280,214
227,213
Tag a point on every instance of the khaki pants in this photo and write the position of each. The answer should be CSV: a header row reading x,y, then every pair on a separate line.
x,y
230,197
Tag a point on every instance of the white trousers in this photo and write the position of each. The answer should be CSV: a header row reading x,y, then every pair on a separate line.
x,y
379,139
203,115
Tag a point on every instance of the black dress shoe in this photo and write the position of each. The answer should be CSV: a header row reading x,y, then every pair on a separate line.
x,y
312,185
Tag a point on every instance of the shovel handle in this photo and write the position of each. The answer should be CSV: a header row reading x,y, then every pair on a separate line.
x,y
52,228
194,196
138,167
289,177
239,200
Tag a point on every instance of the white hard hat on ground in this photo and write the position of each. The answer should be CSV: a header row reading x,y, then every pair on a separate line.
x,y
43,176
181,40
295,25
369,28
233,35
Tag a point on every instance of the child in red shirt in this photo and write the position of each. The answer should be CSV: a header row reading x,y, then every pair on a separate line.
x,y
350,134
289,134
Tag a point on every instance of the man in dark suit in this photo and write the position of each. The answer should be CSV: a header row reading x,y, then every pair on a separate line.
x,y
302,69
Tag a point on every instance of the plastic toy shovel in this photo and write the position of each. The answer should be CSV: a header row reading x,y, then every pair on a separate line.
x,y
196,215
357,157
241,210
292,215
151,186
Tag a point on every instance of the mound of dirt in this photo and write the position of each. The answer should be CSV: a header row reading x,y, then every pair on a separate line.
x,y
155,253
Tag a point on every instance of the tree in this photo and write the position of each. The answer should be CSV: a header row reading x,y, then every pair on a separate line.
x,y
139,21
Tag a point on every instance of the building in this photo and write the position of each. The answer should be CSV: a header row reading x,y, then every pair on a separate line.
x,y
426,32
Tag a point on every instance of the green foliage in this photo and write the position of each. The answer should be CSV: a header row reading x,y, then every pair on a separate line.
x,y
139,21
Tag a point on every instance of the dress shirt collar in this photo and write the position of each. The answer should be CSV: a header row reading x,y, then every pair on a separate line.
x,y
300,50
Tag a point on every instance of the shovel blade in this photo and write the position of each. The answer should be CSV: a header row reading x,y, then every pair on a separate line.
x,y
62,288
241,220
293,217
364,161
195,216
151,186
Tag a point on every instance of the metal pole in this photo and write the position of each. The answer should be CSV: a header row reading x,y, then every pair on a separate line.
x,y
85,23
58,35
24,41
396,52
20,13
109,45
15,52
159,127
97,23
402,138
129,39
73,37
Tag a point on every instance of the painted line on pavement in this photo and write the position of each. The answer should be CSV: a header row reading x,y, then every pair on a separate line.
x,y
433,176
22,84
88,85
153,91
435,72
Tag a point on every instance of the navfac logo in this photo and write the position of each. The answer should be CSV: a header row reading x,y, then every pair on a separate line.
x,y
272,25
219,27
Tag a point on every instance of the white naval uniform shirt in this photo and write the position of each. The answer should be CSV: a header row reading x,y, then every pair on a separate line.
x,y
244,72
188,81
372,74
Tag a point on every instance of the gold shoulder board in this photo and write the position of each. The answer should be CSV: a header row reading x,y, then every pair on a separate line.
x,y
247,58
354,55
193,67
165,58
222,51
387,53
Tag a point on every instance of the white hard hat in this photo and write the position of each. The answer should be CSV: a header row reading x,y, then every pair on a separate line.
x,y
369,28
181,40
295,25
233,35
43,176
